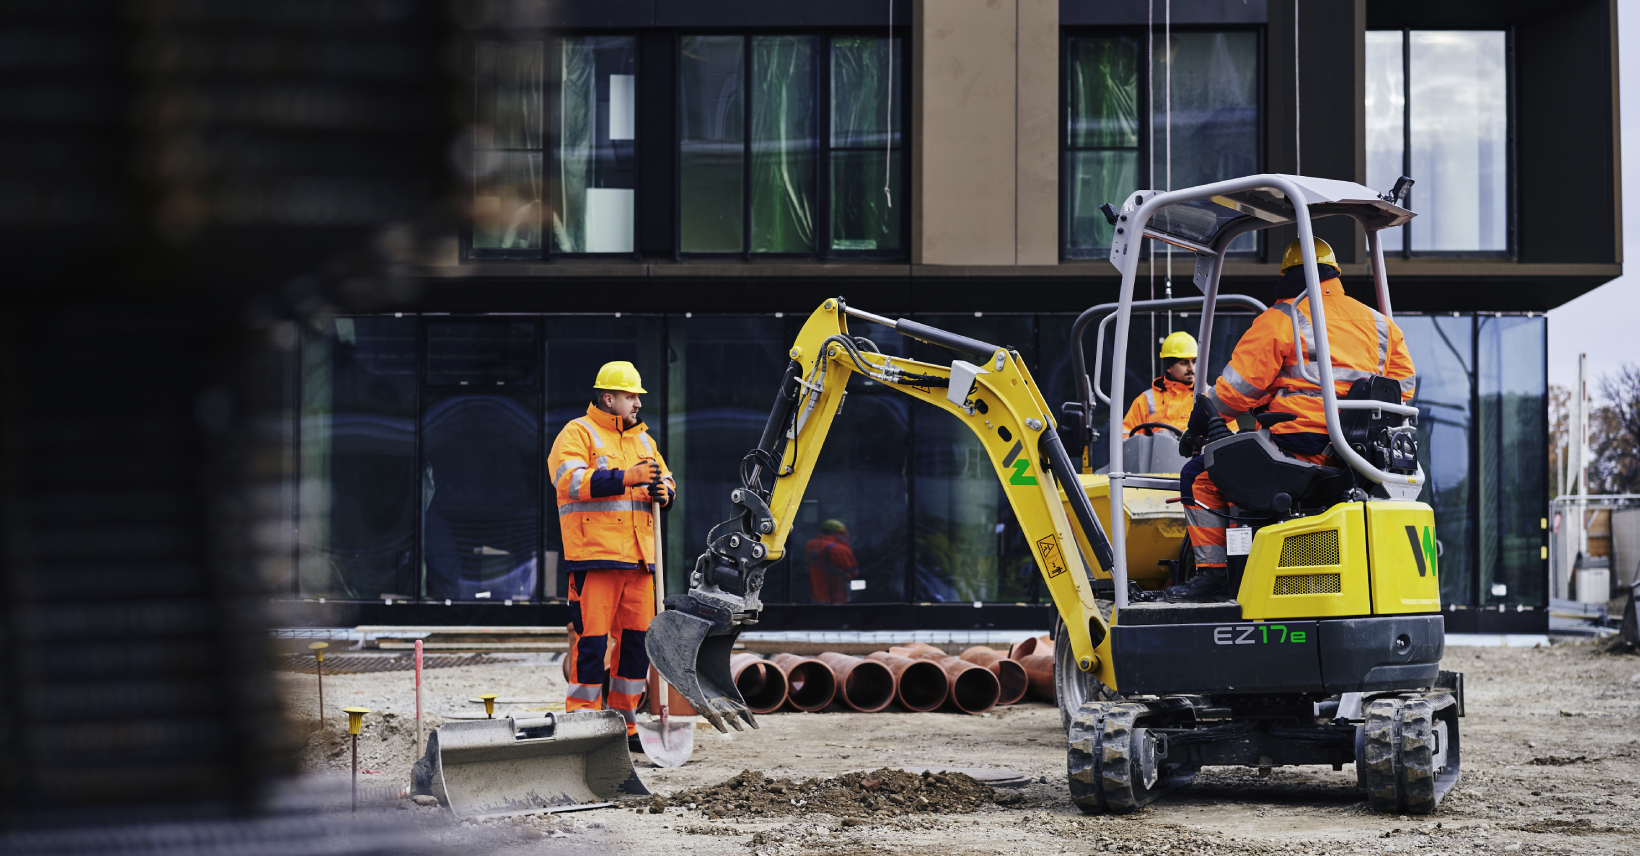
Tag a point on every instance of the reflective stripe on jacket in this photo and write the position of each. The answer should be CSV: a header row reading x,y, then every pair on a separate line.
x,y
1166,400
1264,368
604,523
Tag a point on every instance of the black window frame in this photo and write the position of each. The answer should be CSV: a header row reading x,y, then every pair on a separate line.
x,y
1147,131
551,42
823,149
1510,193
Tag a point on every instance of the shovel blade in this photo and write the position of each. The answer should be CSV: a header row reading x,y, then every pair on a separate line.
x,y
668,744
696,663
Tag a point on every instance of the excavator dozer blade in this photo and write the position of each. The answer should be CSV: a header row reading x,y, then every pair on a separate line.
x,y
696,663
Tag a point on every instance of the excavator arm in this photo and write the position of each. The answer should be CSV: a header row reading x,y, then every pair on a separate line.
x,y
994,396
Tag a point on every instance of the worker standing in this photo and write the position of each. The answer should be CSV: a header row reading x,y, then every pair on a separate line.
x,y
611,481
1264,371
831,563
1171,397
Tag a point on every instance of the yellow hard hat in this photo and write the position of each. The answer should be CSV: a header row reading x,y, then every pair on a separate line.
x,y
621,376
1323,255
1179,346
834,525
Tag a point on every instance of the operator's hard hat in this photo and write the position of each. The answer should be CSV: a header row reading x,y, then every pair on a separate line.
x,y
1179,346
621,376
1323,255
834,525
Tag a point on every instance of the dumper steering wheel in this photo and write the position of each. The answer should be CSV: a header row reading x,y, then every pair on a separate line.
x,y
1143,426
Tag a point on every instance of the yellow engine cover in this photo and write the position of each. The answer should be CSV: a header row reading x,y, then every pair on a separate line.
x,y
1401,539
1312,567
1155,528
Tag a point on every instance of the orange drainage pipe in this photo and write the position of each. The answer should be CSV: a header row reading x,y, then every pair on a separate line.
x,y
866,685
1035,645
760,682
1011,676
811,684
1039,669
919,685
973,688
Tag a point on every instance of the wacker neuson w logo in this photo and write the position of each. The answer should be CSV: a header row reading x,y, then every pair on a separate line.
x,y
1423,550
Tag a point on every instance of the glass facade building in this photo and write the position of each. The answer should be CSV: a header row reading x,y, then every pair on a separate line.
x,y
421,451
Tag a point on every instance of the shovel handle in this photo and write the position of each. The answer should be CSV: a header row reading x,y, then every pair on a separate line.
x,y
660,595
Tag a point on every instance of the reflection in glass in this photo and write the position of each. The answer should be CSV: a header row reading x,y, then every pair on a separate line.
x,y
481,354
594,156
1443,351
1513,471
1386,117
866,165
1103,135
358,460
507,200
1215,120
480,496
784,137
712,115
1460,123
507,146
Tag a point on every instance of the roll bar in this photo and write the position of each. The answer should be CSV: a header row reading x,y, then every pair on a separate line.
x,y
1136,216
1090,385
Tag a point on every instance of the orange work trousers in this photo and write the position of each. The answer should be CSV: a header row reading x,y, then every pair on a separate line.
x,y
1207,530
610,611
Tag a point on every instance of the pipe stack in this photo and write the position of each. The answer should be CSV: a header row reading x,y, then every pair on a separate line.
x,y
973,689
865,685
811,684
919,685
1036,655
1011,676
760,682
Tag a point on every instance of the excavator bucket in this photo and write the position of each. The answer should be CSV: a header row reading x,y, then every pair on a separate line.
x,y
696,663
500,767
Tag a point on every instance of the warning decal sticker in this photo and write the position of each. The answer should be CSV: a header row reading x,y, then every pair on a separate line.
x,y
1052,561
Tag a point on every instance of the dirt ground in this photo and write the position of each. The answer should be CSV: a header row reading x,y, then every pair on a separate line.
x,y
1551,764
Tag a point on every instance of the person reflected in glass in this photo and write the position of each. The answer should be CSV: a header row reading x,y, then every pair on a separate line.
x,y
831,563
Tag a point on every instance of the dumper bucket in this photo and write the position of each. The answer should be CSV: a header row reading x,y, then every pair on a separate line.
x,y
696,663
499,767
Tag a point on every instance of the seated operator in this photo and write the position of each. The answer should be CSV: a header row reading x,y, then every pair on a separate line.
x,y
1170,397
1264,373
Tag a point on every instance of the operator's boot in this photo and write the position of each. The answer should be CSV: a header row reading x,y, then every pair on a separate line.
x,y
1209,585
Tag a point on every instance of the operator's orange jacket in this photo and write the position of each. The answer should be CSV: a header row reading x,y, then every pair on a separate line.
x,y
1166,400
605,524
1264,368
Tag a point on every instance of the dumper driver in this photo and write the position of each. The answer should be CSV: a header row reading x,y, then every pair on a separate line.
x,y
1171,397
1264,373
831,563
611,482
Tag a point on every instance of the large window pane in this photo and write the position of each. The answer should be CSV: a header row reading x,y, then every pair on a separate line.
x,y
594,161
1386,117
480,496
712,119
507,146
484,355
1459,107
357,496
1443,352
1511,424
1103,135
1214,129
867,171
784,136
969,543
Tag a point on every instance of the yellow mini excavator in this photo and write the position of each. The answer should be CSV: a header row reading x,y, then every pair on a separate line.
x,y
1330,653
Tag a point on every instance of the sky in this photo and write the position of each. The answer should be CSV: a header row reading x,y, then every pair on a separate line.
x,y
1605,322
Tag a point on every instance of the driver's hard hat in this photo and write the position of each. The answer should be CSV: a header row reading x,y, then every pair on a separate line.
x,y
1323,255
620,376
1179,346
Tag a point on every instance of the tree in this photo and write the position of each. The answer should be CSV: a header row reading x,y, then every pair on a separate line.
x,y
1614,434
1560,426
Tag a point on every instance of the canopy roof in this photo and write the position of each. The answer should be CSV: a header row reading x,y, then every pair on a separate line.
x,y
1198,223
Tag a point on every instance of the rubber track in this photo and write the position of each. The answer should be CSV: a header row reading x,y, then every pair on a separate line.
x,y
1379,775
1417,760
1086,733
1399,768
1116,760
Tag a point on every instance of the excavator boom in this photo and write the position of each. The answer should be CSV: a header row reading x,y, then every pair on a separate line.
x,y
994,396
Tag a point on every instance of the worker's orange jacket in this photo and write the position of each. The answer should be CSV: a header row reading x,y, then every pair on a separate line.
x,y
1166,400
1264,368
605,524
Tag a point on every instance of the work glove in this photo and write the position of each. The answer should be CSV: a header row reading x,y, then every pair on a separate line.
x,y
1205,426
643,472
659,492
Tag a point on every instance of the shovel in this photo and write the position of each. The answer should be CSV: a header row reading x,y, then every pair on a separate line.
x,y
666,741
